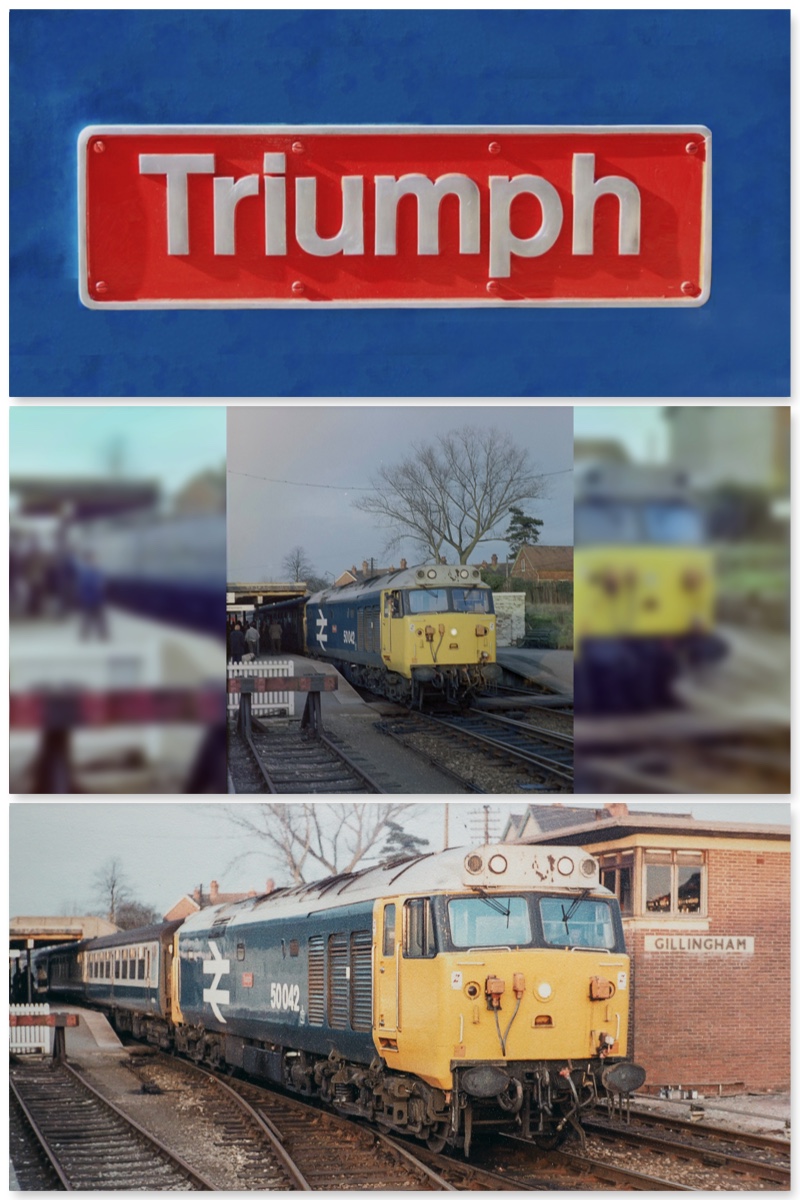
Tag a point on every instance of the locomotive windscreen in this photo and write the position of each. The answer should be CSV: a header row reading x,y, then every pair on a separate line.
x,y
627,523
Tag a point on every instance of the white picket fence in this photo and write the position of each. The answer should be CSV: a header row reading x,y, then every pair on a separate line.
x,y
263,703
30,1039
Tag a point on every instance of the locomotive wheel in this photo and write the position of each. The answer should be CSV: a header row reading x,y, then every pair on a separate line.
x,y
437,1138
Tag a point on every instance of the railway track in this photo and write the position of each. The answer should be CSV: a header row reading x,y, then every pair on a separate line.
x,y
88,1142
287,761
323,1151
738,763
763,1160
543,756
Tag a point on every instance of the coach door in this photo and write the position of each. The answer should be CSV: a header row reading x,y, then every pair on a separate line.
x,y
386,977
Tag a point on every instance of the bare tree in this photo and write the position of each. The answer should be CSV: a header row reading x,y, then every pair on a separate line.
x,y
112,888
297,564
132,914
453,492
306,837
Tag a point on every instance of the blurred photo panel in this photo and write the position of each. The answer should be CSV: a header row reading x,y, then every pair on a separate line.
x,y
116,590
682,599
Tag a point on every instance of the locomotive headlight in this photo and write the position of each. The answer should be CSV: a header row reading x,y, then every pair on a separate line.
x,y
588,866
498,863
566,866
431,574
453,632
544,991
474,864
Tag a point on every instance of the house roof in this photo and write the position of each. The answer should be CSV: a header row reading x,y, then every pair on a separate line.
x,y
545,558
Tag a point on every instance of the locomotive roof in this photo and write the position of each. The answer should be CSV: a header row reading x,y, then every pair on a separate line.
x,y
506,867
423,575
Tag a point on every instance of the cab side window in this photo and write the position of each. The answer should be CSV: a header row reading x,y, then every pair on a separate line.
x,y
389,920
419,941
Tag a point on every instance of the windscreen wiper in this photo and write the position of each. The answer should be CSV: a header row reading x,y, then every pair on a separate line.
x,y
565,916
494,903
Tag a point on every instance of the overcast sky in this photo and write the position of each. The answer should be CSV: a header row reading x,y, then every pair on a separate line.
x,y
167,849
641,428
294,470
167,442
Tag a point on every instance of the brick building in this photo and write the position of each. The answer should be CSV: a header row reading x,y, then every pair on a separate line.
x,y
706,910
188,904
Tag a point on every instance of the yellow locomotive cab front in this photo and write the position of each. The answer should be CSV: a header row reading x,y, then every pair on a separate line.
x,y
506,1000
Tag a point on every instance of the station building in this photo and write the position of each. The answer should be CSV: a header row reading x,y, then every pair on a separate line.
x,y
706,910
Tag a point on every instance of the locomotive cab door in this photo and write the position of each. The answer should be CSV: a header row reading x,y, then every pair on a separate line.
x,y
391,627
387,948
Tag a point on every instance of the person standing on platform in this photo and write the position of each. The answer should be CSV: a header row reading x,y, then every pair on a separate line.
x,y
275,634
252,639
91,597
238,645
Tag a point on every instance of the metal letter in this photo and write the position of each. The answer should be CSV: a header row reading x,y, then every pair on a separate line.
x,y
177,167
350,238
274,204
586,193
502,242
227,194
388,191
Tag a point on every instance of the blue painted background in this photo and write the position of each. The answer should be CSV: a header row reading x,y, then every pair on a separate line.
x,y
725,69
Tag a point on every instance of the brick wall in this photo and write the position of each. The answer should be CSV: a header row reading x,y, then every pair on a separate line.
x,y
716,1018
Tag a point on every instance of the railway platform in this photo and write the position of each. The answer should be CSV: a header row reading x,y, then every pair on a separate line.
x,y
49,656
551,669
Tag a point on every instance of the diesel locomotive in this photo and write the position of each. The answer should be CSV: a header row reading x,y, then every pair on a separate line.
x,y
644,587
442,996
419,632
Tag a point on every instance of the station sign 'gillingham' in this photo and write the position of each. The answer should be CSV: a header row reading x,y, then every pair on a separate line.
x,y
277,216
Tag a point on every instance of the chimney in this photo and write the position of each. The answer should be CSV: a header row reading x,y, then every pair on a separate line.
x,y
617,810
213,888
270,887
197,894
494,560
365,566
403,565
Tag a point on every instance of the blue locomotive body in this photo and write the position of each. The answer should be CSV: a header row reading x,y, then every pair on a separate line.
x,y
251,977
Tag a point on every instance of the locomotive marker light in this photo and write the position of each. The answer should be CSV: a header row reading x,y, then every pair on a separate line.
x,y
226,216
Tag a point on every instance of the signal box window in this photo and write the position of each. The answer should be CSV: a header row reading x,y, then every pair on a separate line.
x,y
389,922
673,882
419,939
616,873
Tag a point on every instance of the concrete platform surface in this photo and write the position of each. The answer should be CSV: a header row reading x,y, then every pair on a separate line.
x,y
549,668
765,1114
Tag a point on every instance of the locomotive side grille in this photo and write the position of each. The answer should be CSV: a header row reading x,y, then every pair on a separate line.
x,y
338,983
361,979
316,980
360,629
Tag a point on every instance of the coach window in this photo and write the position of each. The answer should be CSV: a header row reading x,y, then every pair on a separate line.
x,y
389,921
116,966
140,969
419,939
674,882
616,873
